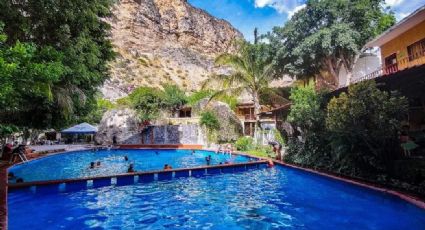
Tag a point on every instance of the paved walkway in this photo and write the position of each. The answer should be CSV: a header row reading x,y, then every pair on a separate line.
x,y
43,148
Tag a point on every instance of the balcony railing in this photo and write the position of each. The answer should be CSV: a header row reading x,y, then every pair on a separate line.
x,y
416,59
249,117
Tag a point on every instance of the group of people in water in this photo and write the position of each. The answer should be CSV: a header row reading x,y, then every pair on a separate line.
x,y
97,164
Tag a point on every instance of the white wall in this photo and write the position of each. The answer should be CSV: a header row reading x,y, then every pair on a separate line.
x,y
366,64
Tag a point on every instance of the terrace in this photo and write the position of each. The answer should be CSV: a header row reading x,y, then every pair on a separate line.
x,y
413,60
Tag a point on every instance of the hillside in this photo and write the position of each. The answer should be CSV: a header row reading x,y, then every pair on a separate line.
x,y
162,41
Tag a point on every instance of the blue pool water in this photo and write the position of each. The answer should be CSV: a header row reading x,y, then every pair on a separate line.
x,y
76,164
276,198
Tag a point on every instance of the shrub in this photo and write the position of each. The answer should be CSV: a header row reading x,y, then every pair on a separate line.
x,y
147,101
363,125
244,144
309,144
173,97
209,120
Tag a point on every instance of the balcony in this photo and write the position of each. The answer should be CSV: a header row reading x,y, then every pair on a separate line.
x,y
415,59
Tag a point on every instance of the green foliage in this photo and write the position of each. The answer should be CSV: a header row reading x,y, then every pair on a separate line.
x,y
244,143
52,61
198,96
100,107
209,120
306,109
6,130
364,124
231,100
253,70
278,136
174,97
354,134
328,34
309,144
147,101
261,151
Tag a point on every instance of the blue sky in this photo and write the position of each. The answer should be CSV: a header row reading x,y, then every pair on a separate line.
x,y
245,15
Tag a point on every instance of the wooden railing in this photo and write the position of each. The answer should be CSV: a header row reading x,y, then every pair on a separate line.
x,y
415,59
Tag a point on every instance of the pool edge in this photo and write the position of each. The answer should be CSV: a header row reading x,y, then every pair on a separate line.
x,y
3,197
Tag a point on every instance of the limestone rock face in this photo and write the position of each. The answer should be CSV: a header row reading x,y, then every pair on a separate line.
x,y
230,125
122,123
164,41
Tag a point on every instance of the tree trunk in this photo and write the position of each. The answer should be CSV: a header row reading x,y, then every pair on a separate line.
x,y
257,110
333,70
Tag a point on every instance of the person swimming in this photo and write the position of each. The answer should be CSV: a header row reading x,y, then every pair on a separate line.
x,y
270,164
193,152
208,159
131,168
156,152
126,158
11,176
167,167
94,164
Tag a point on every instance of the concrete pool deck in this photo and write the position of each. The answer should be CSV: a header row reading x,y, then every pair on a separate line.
x,y
419,202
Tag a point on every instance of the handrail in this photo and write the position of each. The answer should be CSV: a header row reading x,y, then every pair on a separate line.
x,y
415,59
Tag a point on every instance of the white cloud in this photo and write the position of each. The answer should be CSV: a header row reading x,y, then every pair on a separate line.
x,y
393,3
289,7
296,9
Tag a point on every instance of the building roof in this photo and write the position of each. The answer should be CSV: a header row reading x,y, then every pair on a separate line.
x,y
83,128
404,25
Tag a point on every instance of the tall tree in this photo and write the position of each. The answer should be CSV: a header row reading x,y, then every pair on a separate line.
x,y
252,69
327,35
70,33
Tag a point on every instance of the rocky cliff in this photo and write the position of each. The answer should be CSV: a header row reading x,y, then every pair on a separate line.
x,y
163,41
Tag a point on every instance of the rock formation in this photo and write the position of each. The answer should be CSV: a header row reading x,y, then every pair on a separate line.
x,y
164,41
230,125
122,123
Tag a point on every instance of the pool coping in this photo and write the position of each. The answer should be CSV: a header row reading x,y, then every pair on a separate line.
x,y
141,173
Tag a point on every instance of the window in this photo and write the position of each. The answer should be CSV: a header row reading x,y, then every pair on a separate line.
x,y
416,50
186,112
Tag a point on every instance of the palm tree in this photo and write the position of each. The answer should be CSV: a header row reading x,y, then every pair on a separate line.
x,y
251,71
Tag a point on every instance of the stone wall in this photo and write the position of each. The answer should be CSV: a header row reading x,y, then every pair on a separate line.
x,y
173,134
122,123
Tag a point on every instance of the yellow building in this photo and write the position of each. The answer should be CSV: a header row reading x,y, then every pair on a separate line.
x,y
403,45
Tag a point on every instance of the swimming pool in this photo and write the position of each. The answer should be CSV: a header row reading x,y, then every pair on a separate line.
x,y
276,198
77,164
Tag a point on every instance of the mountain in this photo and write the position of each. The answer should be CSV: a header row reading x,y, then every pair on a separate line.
x,y
164,41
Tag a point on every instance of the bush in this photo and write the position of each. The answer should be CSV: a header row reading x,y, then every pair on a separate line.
x,y
363,125
147,101
209,120
309,144
173,97
244,144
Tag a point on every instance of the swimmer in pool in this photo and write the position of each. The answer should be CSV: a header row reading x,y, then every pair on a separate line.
x,y
156,152
92,165
208,159
98,164
126,158
167,167
131,168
